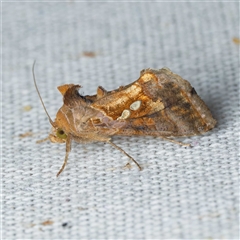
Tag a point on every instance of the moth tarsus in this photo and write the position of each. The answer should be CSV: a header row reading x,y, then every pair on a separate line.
x,y
42,140
121,150
64,164
160,103
68,149
177,142
127,166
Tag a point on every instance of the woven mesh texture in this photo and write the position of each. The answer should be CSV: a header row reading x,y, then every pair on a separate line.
x,y
182,193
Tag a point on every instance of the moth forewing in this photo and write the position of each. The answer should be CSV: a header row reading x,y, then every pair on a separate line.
x,y
160,103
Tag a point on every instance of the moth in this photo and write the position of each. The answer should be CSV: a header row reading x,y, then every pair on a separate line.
x,y
160,103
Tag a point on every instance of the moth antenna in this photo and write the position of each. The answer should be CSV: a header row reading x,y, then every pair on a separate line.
x,y
68,149
35,83
121,150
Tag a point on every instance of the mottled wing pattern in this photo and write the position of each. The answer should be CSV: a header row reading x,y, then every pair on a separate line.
x,y
159,103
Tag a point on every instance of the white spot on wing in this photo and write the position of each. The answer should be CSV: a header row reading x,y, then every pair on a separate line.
x,y
125,115
135,105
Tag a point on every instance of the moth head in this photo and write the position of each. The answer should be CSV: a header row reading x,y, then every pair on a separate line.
x,y
58,135
61,126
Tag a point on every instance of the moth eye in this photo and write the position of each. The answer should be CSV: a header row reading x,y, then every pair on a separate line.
x,y
61,134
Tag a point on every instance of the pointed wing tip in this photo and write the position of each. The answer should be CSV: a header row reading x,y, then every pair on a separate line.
x,y
64,88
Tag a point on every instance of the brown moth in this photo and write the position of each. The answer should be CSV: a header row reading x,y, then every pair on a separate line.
x,y
160,103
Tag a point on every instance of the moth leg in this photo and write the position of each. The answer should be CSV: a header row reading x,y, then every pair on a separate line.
x,y
174,141
128,166
121,150
68,149
42,140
